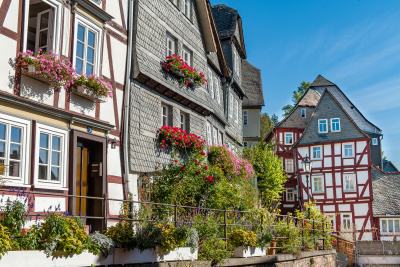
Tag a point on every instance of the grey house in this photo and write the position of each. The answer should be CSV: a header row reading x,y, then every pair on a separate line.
x,y
186,28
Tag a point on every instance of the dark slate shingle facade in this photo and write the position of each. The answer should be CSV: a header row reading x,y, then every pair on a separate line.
x,y
386,191
252,85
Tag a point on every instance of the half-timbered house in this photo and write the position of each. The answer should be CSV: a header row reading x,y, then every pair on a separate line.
x,y
58,139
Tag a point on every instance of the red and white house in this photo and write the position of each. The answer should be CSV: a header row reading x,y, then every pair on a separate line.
x,y
326,127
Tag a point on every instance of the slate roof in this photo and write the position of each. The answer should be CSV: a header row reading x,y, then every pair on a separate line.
x,y
386,192
321,81
225,19
252,85
310,98
388,166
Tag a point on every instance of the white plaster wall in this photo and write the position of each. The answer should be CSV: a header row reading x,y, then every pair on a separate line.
x,y
303,151
288,205
364,160
7,73
327,162
361,209
338,161
115,191
338,149
359,223
37,90
338,179
347,162
327,150
367,236
120,99
362,177
329,208
49,204
338,192
344,207
66,32
107,111
351,195
366,193
82,105
328,179
317,164
113,161
118,52
106,63
329,192
113,10
360,146
22,199
61,97
11,19
132,186
318,197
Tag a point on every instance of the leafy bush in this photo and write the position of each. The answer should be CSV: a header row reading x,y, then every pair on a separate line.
x,y
192,240
240,238
122,234
13,216
265,238
215,251
103,242
4,241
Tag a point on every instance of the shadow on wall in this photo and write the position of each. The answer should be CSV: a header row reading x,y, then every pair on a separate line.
x,y
11,76
82,105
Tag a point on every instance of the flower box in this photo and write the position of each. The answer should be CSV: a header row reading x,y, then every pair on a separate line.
x,y
88,93
245,252
176,73
153,255
30,71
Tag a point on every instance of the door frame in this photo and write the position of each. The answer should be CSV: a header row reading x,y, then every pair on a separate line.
x,y
102,141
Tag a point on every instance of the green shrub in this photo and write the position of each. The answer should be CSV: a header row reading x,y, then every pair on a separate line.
x,y
13,216
104,243
4,241
215,251
241,238
122,234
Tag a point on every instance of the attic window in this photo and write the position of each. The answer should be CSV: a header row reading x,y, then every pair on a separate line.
x,y
303,112
374,141
322,126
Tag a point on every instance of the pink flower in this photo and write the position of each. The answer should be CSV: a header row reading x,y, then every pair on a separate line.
x,y
163,147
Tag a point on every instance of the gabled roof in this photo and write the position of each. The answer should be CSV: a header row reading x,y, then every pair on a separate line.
x,y
310,98
329,107
321,81
386,192
252,85
388,166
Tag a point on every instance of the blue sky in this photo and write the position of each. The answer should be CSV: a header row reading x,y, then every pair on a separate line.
x,y
353,43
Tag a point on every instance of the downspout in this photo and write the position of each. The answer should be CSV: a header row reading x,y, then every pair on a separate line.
x,y
299,196
127,95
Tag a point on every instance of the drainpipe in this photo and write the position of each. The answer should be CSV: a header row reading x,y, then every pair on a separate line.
x,y
127,96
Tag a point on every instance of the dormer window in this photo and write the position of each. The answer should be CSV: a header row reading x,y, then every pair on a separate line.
x,y
303,112
335,125
374,141
322,126
236,62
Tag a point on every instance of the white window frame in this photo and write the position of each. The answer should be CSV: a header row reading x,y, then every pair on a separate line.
x,y
57,6
209,139
236,61
335,131
237,111
48,184
320,153
344,151
187,55
292,192
245,115
25,125
215,136
314,177
287,134
231,105
166,116
220,139
183,121
186,8
320,122
346,229
303,111
374,141
170,52
289,167
351,176
93,27
210,83
217,91
332,219
387,223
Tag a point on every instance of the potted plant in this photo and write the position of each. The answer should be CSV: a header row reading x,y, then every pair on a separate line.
x,y
92,87
272,248
245,244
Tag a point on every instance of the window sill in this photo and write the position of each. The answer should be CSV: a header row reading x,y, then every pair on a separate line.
x,y
348,157
50,187
322,132
350,191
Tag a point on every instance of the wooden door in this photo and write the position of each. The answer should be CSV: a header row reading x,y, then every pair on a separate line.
x,y
81,179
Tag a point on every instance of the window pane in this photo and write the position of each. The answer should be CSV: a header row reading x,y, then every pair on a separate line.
x,y
42,172
89,69
56,143
44,140
91,38
13,169
44,21
81,33
43,38
2,132
55,158
55,174
16,135
79,66
2,149
396,226
43,156
15,151
384,226
90,55
79,50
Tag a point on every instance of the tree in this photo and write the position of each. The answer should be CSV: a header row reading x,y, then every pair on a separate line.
x,y
296,97
268,170
274,119
266,125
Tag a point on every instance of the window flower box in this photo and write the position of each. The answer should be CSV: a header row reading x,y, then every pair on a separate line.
x,y
31,71
185,74
88,93
245,252
153,255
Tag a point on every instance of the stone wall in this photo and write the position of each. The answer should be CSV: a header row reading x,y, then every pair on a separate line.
x,y
346,247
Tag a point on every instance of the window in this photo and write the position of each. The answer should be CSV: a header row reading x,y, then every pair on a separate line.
x,y
216,90
165,115
231,105
374,141
390,226
316,152
323,126
51,153
42,25
303,112
236,62
289,165
220,140
318,184
209,134
187,55
14,144
349,182
332,220
288,138
210,84
245,144
183,122
291,194
236,111
186,8
145,188
87,46
335,125
346,222
245,117
215,135
348,150
170,46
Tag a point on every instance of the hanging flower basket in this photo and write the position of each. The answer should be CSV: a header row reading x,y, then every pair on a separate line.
x,y
88,93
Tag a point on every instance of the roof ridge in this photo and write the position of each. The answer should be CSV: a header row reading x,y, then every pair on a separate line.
x,y
321,81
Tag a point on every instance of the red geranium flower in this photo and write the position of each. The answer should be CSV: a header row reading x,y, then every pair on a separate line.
x,y
163,147
176,161
206,167
203,153
183,168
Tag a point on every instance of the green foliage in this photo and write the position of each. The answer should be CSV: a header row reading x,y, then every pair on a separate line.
x,y
296,97
215,251
28,240
266,125
122,234
13,216
291,233
265,238
5,244
240,238
268,170
192,240
103,242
